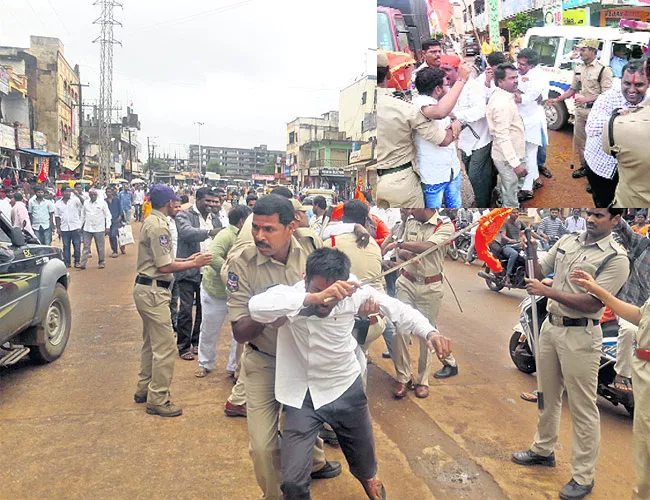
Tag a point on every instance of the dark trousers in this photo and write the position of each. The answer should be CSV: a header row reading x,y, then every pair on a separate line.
x,y
602,189
44,235
73,237
187,331
138,212
512,252
480,171
113,237
173,305
350,419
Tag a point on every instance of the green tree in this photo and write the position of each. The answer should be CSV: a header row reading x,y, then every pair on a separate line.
x,y
215,166
521,23
268,168
157,165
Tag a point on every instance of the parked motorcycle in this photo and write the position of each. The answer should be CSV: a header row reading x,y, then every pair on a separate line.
x,y
522,347
462,244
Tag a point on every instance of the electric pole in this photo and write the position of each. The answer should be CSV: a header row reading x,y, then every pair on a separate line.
x,y
82,157
200,124
106,40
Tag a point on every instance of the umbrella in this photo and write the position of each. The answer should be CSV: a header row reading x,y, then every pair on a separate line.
x,y
137,181
119,181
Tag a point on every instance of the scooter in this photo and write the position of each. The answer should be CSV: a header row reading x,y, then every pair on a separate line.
x,y
522,347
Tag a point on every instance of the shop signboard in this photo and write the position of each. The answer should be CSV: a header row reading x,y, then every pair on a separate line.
x,y
7,137
575,17
332,172
24,141
40,141
262,177
314,172
553,14
4,81
572,4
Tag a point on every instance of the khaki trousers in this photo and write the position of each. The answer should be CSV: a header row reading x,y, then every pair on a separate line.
x,y
569,357
641,435
426,299
400,190
159,346
579,133
263,420
238,394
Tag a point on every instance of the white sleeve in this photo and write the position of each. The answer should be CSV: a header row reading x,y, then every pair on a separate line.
x,y
107,215
407,317
277,302
337,230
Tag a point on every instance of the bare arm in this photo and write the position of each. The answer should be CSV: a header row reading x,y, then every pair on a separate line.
x,y
246,329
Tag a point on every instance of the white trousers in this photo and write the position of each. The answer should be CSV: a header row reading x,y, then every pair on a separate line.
x,y
232,357
214,313
531,166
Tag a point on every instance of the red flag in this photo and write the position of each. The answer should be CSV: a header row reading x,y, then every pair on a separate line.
x,y
45,169
487,231
443,11
358,194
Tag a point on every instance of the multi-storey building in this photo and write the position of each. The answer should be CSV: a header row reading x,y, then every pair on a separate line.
x,y
235,162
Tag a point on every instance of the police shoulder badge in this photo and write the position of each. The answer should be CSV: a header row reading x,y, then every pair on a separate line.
x,y
164,241
233,282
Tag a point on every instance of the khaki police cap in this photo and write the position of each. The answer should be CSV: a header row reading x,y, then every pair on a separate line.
x,y
382,59
298,206
591,43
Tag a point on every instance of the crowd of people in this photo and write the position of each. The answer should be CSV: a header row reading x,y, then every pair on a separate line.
x,y
487,132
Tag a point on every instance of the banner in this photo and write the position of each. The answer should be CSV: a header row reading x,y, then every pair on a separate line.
x,y
575,17
7,137
4,81
495,34
553,14
261,177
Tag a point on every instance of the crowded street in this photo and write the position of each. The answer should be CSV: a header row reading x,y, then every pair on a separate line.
x,y
73,428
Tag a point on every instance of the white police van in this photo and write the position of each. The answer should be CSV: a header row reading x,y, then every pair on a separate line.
x,y
558,57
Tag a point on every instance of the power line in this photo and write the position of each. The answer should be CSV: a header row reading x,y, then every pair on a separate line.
x,y
191,17
36,14
59,18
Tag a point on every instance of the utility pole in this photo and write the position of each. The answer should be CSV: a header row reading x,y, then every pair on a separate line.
x,y
82,158
150,153
200,124
106,40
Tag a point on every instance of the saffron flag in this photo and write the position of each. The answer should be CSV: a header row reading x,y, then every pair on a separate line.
x,y
440,13
487,231
358,194
45,169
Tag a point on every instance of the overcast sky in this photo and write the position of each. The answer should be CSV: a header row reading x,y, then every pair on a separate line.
x,y
243,67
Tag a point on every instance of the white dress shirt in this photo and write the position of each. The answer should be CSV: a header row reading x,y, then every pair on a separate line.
x,y
435,164
174,232
318,354
204,224
223,217
390,216
5,208
480,79
138,197
470,109
69,213
95,216
534,84
575,225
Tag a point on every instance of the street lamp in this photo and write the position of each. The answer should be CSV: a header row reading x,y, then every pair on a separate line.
x,y
200,124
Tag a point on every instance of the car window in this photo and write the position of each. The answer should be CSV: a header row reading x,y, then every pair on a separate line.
x,y
4,237
546,47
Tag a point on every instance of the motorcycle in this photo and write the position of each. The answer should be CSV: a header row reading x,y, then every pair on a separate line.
x,y
497,281
522,347
461,245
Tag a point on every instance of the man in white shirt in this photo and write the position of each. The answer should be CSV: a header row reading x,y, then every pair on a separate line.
x,y
486,79
475,141
432,50
5,207
41,211
576,223
138,201
319,208
319,365
533,90
96,224
438,166
68,225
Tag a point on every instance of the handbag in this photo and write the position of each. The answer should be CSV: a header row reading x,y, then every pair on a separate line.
x,y
125,235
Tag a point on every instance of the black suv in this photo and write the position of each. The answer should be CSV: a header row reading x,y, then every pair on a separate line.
x,y
35,314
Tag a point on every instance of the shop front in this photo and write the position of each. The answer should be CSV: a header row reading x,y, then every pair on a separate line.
x,y
334,178
613,12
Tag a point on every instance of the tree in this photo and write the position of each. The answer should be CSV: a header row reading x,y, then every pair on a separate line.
x,y
268,168
521,23
157,165
215,166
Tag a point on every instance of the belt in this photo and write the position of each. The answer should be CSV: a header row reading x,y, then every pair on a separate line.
x,y
384,171
416,279
257,349
143,280
564,321
643,354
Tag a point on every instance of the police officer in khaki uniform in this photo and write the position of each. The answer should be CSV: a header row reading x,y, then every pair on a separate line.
x,y
398,185
630,133
570,344
152,295
275,257
420,286
640,376
590,79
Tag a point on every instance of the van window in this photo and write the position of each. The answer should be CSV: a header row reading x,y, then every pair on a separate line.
x,y
546,47
571,58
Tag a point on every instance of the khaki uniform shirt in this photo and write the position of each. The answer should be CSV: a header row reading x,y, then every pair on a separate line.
x,y
155,248
643,333
630,133
585,78
436,229
507,128
366,262
396,122
571,253
250,273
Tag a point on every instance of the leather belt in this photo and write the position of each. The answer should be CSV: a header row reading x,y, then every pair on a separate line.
x,y
143,280
416,279
257,349
564,321
384,171
643,354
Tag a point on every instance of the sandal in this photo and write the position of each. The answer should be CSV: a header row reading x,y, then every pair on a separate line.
x,y
546,172
622,384
531,397
201,372
525,195
538,185
187,356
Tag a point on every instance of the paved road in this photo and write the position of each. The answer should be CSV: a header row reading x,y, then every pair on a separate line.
x,y
71,429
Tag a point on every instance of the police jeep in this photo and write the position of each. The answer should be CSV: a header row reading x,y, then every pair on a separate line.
x,y
35,313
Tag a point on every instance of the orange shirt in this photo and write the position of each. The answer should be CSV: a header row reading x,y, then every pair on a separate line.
x,y
642,231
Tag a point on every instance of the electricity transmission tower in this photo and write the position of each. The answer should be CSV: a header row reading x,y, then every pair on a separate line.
x,y
106,41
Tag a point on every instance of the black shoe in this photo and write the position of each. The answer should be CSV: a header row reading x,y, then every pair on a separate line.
x,y
140,398
446,372
385,355
530,458
575,491
329,437
331,469
581,172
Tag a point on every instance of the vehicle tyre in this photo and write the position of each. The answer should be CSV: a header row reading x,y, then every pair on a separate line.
x,y
463,246
523,365
556,114
494,286
56,327
630,410
453,251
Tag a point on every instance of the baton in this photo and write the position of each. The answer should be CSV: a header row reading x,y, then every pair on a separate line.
x,y
530,271
415,258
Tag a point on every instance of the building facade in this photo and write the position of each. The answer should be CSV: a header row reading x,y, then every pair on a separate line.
x,y
235,162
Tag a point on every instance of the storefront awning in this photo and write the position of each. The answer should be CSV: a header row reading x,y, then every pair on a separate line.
x,y
70,164
357,166
37,152
179,177
212,176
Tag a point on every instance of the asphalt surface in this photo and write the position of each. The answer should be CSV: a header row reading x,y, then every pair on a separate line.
x,y
71,429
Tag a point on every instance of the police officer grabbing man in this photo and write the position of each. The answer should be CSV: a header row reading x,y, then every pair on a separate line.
x,y
570,344
152,295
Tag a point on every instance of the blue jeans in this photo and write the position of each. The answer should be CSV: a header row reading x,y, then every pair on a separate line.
x,y
44,235
541,156
73,237
512,252
450,191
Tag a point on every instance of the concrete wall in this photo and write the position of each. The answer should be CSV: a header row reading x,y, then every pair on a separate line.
x,y
15,108
352,110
